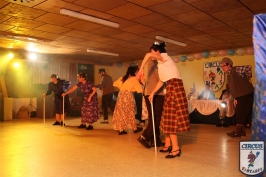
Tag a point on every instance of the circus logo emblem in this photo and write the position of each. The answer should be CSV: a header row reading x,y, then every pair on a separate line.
x,y
213,75
251,157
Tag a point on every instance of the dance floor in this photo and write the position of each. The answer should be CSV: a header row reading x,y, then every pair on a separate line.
x,y
30,148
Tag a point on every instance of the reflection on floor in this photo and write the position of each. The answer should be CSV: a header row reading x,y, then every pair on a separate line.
x,y
30,148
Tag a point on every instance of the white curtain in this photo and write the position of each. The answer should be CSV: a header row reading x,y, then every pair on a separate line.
x,y
41,71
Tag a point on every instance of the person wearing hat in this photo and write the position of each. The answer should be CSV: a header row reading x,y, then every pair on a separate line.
x,y
59,87
207,94
242,90
107,88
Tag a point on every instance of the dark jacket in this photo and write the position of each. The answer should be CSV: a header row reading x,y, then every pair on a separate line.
x,y
239,85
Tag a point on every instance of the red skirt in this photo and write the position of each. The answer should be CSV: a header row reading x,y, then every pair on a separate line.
x,y
175,117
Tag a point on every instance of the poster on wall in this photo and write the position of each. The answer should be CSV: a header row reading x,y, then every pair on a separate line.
x,y
213,75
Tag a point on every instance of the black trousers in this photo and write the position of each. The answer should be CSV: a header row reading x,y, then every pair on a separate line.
x,y
243,108
157,109
107,102
138,99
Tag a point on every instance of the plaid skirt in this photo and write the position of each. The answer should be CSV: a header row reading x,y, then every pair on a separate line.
x,y
175,117
125,111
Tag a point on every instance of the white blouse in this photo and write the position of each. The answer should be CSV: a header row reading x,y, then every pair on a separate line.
x,y
167,69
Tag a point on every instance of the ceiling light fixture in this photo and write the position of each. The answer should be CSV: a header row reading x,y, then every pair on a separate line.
x,y
89,18
24,38
171,41
102,52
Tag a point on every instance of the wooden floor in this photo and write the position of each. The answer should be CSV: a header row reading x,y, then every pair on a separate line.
x,y
30,148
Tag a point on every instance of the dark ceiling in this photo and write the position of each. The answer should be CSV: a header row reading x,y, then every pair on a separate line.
x,y
201,24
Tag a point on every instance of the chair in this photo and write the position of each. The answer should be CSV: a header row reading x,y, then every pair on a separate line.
x,y
76,103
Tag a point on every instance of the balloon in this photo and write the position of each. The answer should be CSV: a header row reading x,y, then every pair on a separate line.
x,y
222,52
132,64
183,58
240,51
214,53
205,54
197,56
127,64
119,64
190,57
250,51
176,59
230,52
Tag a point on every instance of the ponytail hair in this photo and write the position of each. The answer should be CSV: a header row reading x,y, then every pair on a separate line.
x,y
131,71
156,46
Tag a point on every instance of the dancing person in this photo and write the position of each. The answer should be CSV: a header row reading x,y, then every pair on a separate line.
x,y
125,107
58,86
207,94
242,90
175,117
107,94
151,78
89,110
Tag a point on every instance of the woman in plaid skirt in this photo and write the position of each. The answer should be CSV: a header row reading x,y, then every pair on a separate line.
x,y
175,117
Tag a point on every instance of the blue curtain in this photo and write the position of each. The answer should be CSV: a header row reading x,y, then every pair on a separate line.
x,y
259,106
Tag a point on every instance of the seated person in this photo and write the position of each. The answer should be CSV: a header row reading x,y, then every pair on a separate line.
x,y
207,94
226,94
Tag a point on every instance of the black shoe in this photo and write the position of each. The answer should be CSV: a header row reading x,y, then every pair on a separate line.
x,y
169,149
235,134
61,123
89,127
104,122
243,133
57,123
122,133
145,143
82,126
170,155
139,129
158,144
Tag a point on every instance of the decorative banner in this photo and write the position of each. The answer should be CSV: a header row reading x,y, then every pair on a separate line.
x,y
214,75
176,59
190,57
240,51
183,58
250,51
214,53
119,64
231,52
222,52
205,54
197,56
